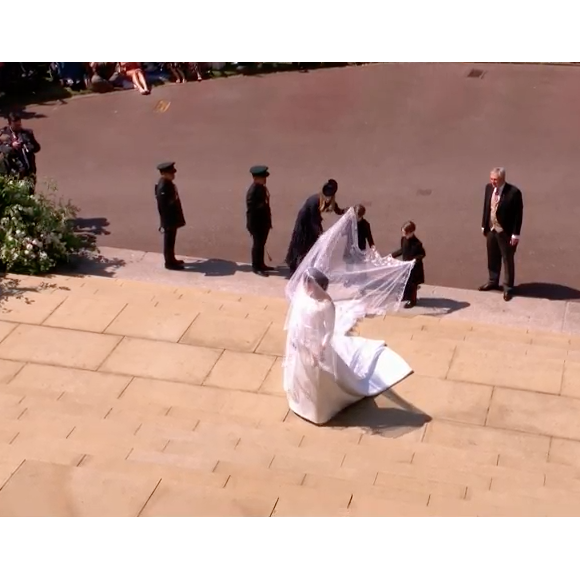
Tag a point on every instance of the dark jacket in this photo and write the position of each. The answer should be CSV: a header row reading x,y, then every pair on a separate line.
x,y
4,165
307,229
10,164
412,249
27,153
510,211
169,205
364,234
258,212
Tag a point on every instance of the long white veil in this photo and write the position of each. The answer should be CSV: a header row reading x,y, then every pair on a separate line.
x,y
361,283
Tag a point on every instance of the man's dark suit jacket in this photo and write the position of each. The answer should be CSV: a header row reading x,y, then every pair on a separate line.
x,y
510,211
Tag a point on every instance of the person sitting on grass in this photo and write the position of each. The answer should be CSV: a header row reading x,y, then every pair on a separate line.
x,y
134,72
72,74
104,77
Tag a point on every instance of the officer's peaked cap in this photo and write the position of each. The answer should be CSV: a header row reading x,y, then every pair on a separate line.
x,y
259,171
166,167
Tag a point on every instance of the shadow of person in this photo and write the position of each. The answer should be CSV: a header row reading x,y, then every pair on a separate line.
x,y
442,305
91,264
92,226
218,267
548,290
387,414
31,115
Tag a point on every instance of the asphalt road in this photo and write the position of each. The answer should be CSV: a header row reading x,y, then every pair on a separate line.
x,y
410,141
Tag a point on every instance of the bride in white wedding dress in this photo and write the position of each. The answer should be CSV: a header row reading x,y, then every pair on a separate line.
x,y
325,370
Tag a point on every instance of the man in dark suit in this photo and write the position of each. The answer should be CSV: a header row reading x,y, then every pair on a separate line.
x,y
170,213
259,218
24,145
503,212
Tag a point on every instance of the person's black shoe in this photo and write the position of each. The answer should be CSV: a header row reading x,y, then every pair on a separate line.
x,y
507,295
410,304
174,266
267,269
260,273
179,262
488,286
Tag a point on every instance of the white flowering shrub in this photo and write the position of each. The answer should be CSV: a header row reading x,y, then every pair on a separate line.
x,y
36,230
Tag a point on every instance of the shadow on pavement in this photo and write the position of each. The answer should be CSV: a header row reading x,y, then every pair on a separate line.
x,y
548,291
442,306
388,415
28,114
92,226
217,267
15,288
44,94
90,262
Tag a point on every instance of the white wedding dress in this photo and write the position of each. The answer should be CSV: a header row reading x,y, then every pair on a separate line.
x,y
325,371
336,285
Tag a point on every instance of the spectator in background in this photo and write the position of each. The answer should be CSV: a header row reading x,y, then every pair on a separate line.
x,y
134,72
104,77
23,142
72,74
177,71
195,69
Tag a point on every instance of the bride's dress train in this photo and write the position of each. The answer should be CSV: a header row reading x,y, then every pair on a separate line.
x,y
326,370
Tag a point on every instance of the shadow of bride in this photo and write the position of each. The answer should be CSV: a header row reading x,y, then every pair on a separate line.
x,y
387,414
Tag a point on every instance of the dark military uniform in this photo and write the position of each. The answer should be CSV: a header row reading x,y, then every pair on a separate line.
x,y
170,215
258,219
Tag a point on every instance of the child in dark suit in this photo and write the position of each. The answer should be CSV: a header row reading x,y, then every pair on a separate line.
x,y
411,249
356,240
363,228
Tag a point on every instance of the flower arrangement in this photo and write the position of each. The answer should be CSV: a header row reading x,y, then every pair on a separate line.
x,y
36,230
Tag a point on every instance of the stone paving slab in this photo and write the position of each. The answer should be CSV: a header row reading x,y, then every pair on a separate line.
x,y
449,303
140,409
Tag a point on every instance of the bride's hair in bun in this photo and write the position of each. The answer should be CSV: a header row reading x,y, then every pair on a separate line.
x,y
315,275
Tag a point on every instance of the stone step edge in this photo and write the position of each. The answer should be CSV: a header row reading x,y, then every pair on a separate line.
x,y
195,292
393,465
336,501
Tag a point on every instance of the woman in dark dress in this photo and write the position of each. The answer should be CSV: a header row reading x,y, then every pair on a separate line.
x,y
308,226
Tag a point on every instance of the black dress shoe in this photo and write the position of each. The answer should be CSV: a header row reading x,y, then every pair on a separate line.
x,y
410,304
507,295
174,266
267,269
488,286
260,273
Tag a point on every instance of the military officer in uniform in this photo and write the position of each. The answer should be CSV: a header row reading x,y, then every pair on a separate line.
x,y
170,213
259,218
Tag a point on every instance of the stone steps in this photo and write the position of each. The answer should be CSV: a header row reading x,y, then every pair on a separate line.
x,y
169,401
